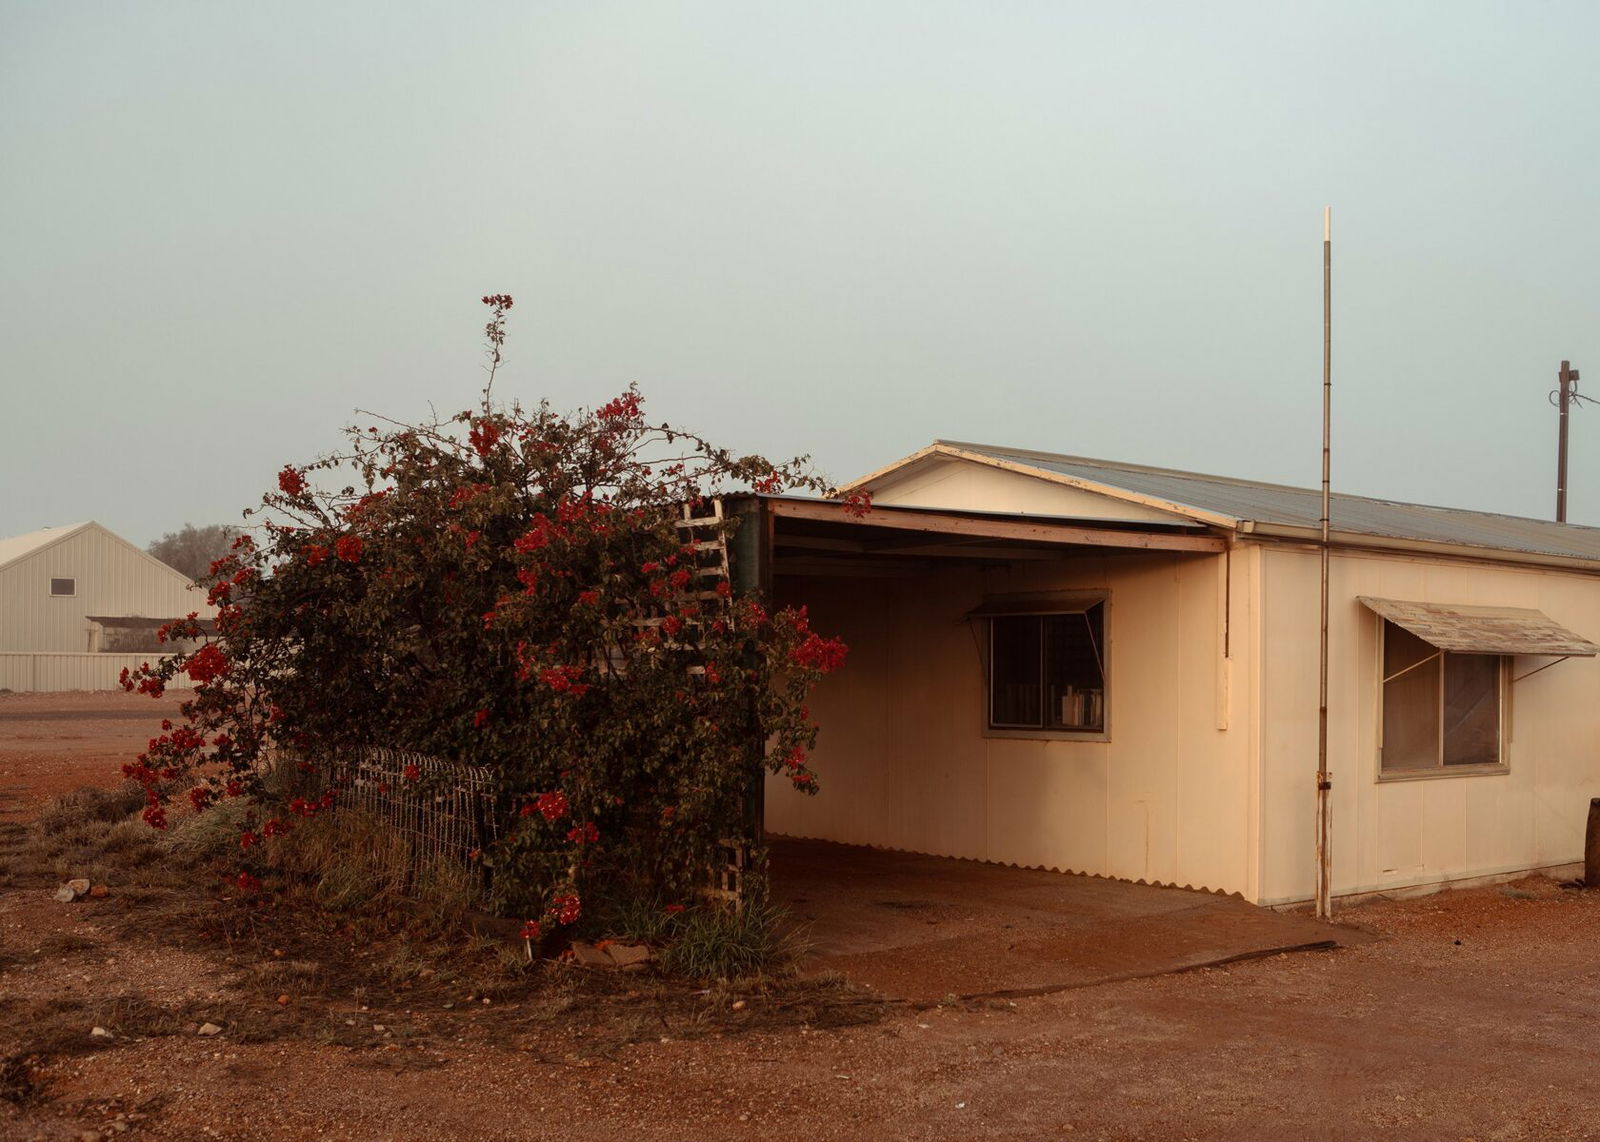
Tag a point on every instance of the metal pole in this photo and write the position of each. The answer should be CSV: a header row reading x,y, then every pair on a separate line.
x,y
1561,448
1324,785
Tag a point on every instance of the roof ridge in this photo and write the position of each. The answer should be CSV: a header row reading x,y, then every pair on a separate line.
x,y
1235,481
43,537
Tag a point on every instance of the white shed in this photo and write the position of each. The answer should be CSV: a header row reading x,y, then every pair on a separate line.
x,y
78,604
1113,669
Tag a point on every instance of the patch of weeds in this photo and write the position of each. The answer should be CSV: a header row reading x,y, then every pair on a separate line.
x,y
209,836
88,806
135,1017
712,941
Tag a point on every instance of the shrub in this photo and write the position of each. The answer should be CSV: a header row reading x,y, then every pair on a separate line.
x,y
510,588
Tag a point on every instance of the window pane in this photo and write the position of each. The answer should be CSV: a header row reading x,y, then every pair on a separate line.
x,y
1410,701
1471,709
1074,674
1015,692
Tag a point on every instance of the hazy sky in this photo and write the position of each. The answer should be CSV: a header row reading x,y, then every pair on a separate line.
x,y
836,228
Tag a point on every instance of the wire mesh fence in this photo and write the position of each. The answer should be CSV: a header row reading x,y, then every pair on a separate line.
x,y
446,809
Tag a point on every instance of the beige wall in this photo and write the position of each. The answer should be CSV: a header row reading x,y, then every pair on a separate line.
x,y
962,485
23,670
113,578
1391,834
904,762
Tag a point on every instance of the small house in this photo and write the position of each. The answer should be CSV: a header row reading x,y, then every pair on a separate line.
x,y
1113,669
78,604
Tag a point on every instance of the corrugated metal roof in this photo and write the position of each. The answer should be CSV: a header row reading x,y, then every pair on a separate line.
x,y
1483,630
21,546
1278,504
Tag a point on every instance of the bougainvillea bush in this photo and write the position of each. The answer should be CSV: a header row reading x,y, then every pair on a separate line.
x,y
511,589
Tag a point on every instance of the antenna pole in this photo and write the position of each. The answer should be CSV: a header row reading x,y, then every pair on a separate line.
x,y
1324,784
1566,378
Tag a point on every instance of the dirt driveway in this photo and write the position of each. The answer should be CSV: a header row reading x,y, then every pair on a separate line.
x,y
923,928
1473,1017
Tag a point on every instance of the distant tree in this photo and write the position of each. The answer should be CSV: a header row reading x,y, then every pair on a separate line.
x,y
193,549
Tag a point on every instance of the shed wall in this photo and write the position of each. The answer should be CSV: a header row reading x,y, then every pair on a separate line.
x,y
904,761
113,578
1393,834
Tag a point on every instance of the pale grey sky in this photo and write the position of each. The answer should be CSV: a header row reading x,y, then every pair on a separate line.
x,y
837,228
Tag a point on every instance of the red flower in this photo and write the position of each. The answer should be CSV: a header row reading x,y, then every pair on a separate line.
x,y
208,663
411,772
481,718
552,805
531,930
674,908
315,553
248,839
349,548
248,883
818,653
483,436
290,481
566,909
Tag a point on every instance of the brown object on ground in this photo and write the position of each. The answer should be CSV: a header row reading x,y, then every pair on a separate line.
x,y
1471,1018
925,928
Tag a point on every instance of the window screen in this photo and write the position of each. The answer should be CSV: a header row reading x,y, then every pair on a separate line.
x,y
63,586
1438,708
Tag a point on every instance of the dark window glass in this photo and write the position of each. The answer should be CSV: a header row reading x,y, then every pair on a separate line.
x,y
63,586
1048,671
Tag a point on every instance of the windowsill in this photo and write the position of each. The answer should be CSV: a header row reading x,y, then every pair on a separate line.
x,y
1443,772
1049,735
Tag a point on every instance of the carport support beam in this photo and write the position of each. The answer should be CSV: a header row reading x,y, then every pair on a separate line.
x,y
1591,846
750,568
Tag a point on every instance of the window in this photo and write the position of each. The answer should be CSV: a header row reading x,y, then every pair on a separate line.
x,y
63,586
1440,708
1047,671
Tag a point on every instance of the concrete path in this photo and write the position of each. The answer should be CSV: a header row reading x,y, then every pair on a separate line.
x,y
924,928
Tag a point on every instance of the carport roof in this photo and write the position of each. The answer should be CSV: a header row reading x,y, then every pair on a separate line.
x,y
824,536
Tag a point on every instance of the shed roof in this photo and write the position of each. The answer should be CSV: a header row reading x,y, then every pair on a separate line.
x,y
19,547
1249,505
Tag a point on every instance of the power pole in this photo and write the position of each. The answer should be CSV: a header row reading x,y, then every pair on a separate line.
x,y
1568,376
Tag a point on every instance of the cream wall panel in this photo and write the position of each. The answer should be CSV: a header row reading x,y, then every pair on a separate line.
x,y
1389,834
903,760
1035,793
960,485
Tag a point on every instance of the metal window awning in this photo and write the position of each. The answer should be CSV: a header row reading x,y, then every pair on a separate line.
x,y
1483,630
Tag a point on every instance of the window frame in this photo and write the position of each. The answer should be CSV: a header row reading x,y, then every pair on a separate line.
x,y
54,594
1036,608
1440,769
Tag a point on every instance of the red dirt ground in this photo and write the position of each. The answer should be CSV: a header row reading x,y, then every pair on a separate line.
x,y
1473,1018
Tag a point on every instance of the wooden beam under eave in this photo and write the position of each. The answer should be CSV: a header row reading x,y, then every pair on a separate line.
x,y
939,523
852,568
